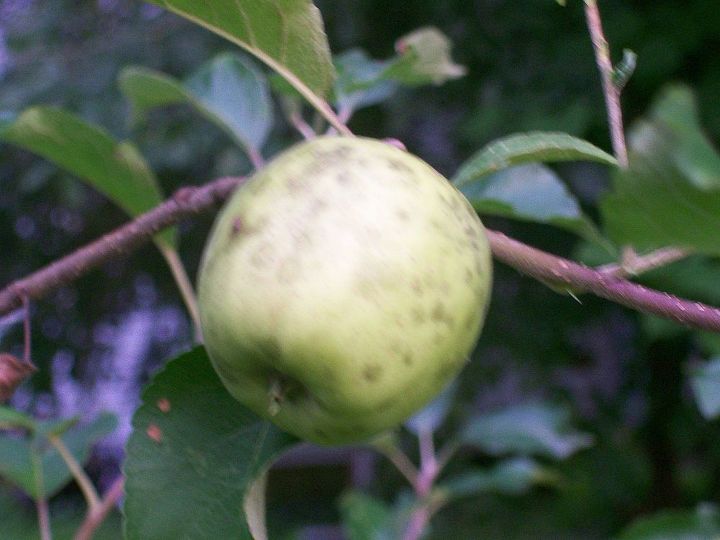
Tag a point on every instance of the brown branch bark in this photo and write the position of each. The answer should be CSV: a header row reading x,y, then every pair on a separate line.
x,y
580,278
528,260
185,202
610,89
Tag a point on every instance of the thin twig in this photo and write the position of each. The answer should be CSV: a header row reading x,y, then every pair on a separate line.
x,y
84,483
184,285
429,471
633,264
189,201
610,89
94,519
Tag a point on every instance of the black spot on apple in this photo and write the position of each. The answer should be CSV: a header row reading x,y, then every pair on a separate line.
x,y
407,358
397,165
372,372
343,177
439,314
236,227
417,315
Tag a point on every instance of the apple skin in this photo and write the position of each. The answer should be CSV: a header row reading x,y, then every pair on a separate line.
x,y
342,288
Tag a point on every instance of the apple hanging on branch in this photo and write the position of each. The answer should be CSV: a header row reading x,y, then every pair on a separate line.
x,y
342,288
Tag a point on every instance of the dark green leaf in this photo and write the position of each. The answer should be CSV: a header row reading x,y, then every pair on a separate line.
x,y
539,146
530,192
287,35
527,429
669,196
16,464
194,452
366,518
10,418
229,91
431,417
424,57
116,169
79,441
705,382
701,524
359,82
55,427
511,476
19,520
694,155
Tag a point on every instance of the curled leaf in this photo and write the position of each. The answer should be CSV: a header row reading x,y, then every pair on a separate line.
x,y
13,372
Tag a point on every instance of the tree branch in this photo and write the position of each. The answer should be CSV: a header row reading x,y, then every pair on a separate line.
x,y
580,278
125,239
528,260
611,90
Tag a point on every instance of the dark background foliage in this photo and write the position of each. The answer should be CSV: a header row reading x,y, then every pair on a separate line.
x,y
530,66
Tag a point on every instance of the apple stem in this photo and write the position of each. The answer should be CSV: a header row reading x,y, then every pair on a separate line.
x,y
429,470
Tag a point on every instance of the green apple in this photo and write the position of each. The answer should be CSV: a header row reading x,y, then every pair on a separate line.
x,y
342,288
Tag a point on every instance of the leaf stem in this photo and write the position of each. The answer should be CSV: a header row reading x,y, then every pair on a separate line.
x,y
401,462
429,471
43,511
83,482
94,519
184,286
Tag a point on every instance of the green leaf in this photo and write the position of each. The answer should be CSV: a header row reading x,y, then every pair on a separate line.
x,y
366,518
79,441
229,91
669,195
359,83
424,57
694,155
700,524
15,464
431,417
10,419
194,452
705,382
287,35
512,477
526,429
19,519
539,146
16,461
115,169
530,192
